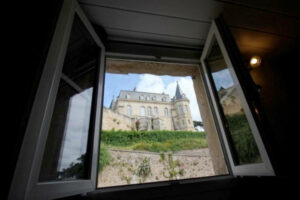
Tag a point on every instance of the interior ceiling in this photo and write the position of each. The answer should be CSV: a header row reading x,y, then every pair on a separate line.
x,y
186,23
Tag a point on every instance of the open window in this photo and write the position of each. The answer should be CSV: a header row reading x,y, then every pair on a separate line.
x,y
60,151
58,156
233,115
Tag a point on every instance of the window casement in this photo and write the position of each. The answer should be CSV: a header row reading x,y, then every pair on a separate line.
x,y
67,106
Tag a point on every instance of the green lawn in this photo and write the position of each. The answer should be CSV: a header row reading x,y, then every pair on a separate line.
x,y
155,141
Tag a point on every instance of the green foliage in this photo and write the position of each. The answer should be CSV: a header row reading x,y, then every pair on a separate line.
x,y
173,168
243,139
105,157
126,138
171,145
144,169
75,170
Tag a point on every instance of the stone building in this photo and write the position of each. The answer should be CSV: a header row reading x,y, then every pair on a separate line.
x,y
149,111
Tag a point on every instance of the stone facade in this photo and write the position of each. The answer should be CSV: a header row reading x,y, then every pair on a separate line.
x,y
149,111
230,101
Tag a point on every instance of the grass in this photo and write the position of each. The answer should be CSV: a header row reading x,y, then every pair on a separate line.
x,y
104,158
154,141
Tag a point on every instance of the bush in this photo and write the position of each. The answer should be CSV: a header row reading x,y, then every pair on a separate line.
x,y
127,138
243,139
105,157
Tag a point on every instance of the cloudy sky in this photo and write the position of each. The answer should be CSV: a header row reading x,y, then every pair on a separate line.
x,y
150,83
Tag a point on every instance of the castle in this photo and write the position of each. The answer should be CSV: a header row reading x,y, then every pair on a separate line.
x,y
135,110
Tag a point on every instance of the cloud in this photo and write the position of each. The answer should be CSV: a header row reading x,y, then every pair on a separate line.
x,y
155,84
150,83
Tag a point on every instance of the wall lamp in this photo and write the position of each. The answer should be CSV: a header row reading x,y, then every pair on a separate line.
x,y
255,61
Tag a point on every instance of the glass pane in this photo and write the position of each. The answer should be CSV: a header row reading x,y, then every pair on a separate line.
x,y
243,145
66,147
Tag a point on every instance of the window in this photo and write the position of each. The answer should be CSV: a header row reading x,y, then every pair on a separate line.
x,y
154,98
155,111
141,97
166,112
180,110
149,112
128,110
147,98
238,128
186,108
143,111
64,120
183,122
127,96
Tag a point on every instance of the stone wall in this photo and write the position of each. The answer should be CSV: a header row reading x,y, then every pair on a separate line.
x,y
117,121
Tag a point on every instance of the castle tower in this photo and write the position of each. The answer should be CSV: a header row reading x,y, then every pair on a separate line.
x,y
181,113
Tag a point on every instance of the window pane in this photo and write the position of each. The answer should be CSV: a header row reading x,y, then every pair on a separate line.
x,y
243,145
66,147
143,111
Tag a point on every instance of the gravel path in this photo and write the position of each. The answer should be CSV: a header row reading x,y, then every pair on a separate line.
x,y
130,167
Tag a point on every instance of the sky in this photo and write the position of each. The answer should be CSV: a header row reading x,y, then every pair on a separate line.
x,y
150,83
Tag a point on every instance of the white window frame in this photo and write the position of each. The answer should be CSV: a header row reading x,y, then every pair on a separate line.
x,y
255,169
25,183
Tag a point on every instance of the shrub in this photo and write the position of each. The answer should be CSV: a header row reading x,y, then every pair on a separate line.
x,y
126,138
105,157
243,139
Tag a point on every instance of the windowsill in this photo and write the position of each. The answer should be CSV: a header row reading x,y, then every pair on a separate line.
x,y
165,188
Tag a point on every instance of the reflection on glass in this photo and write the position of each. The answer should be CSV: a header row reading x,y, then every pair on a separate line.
x,y
243,145
66,147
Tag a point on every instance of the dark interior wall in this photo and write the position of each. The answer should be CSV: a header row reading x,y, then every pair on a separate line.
x,y
34,29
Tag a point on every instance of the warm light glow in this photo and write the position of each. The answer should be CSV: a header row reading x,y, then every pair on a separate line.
x,y
255,61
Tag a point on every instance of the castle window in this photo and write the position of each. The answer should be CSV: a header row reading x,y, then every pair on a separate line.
x,y
155,111
166,112
128,110
181,110
183,122
142,111
149,111
186,108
